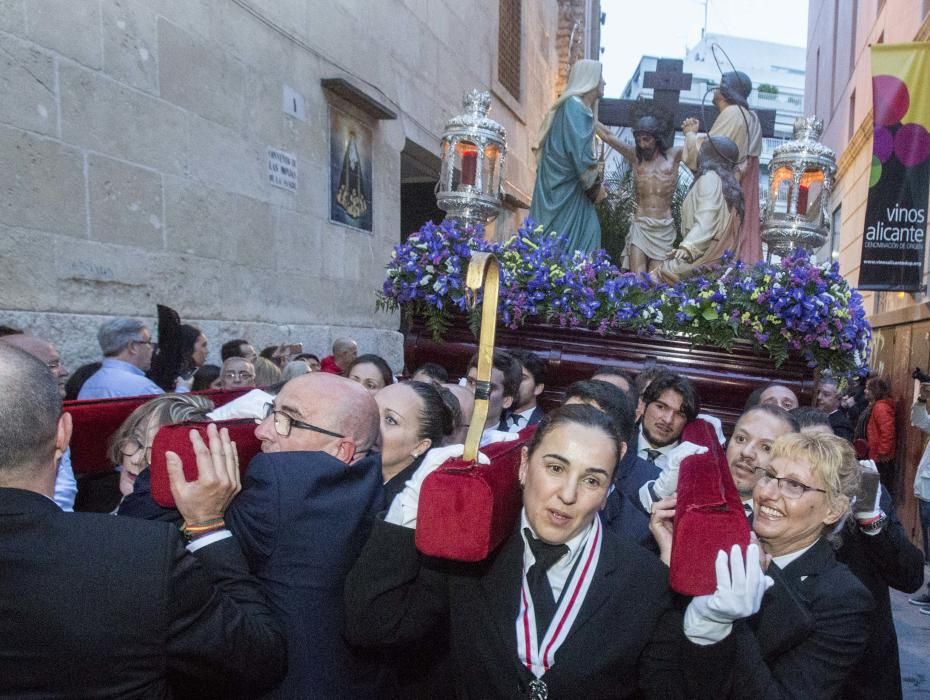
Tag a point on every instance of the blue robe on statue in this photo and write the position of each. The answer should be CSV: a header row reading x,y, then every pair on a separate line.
x,y
566,168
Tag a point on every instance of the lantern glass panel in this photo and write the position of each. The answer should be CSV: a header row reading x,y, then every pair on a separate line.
x,y
489,169
781,194
810,189
467,154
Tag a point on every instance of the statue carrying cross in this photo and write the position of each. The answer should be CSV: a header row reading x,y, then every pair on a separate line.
x,y
744,126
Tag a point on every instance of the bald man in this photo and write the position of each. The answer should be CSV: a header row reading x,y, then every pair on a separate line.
x,y
345,350
45,352
302,518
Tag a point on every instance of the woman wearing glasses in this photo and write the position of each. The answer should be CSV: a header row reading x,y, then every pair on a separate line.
x,y
131,446
814,621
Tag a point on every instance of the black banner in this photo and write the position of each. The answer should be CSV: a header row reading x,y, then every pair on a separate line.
x,y
895,227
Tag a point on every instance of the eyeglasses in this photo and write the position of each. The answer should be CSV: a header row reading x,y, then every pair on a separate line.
x,y
790,488
147,342
283,423
131,447
239,376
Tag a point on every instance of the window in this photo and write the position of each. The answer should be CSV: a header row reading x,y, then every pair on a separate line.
x,y
835,233
852,116
817,81
853,49
509,38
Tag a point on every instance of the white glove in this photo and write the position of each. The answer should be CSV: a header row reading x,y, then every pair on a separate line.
x,y
667,483
403,510
716,424
740,588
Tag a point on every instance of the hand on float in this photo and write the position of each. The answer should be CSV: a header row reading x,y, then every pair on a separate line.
x,y
662,526
218,481
403,510
740,587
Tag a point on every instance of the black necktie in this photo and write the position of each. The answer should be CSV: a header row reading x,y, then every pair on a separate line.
x,y
516,418
747,509
652,455
543,600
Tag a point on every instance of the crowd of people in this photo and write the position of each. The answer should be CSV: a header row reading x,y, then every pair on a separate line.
x,y
300,576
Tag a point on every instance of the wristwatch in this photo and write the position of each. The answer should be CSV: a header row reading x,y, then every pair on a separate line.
x,y
874,527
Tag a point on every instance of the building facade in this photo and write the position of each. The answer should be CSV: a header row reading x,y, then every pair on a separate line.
x,y
839,90
250,163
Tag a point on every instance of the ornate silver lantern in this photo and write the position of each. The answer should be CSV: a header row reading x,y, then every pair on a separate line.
x,y
800,183
471,173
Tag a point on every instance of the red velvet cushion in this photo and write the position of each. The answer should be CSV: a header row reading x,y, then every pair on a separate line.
x,y
95,420
709,515
176,438
466,510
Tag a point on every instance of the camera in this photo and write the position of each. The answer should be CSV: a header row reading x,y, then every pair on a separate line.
x,y
920,376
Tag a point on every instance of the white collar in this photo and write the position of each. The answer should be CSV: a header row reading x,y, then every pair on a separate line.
x,y
575,545
786,559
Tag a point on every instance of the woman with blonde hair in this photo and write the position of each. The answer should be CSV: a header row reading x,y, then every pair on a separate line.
x,y
131,445
815,620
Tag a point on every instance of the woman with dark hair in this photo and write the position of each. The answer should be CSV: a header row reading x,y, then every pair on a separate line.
x,y
371,371
77,379
879,425
563,608
182,349
415,416
205,377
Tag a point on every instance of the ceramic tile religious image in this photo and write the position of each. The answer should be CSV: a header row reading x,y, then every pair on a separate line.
x,y
350,182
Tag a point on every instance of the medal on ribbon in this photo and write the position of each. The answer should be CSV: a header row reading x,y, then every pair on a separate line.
x,y
539,655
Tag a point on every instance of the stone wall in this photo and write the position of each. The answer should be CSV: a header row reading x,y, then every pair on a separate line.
x,y
134,133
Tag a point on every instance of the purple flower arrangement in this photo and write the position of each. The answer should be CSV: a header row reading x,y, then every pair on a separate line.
x,y
793,307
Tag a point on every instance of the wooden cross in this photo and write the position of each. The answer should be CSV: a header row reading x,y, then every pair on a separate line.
x,y
667,81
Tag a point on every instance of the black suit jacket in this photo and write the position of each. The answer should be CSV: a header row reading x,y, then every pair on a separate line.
x,y
534,418
810,631
841,425
97,606
880,561
302,519
627,636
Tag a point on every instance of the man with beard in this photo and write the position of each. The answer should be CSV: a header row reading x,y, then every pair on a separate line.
x,y
525,411
655,166
670,402
751,442
710,214
740,124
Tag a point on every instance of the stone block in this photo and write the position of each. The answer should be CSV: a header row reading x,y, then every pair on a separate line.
x,y
199,76
70,28
41,184
252,234
27,86
224,159
13,16
104,116
125,203
220,225
297,243
96,276
130,44
252,42
27,268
